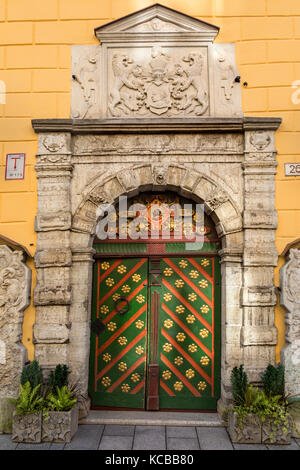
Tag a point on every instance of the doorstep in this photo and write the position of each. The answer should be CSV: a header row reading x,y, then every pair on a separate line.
x,y
151,418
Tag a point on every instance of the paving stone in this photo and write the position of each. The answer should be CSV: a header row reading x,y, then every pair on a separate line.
x,y
57,446
185,432
149,438
116,443
116,430
6,443
292,446
87,438
249,447
176,443
298,442
214,439
41,446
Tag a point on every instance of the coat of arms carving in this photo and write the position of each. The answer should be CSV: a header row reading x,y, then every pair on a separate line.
x,y
164,85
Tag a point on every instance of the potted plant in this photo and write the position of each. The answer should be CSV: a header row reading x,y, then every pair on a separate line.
x,y
60,417
27,419
259,415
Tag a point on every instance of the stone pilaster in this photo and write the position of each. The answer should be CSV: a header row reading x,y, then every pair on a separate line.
x,y
258,334
53,259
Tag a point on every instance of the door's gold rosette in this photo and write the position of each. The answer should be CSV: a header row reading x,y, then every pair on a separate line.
x,y
122,366
168,272
116,297
180,309
192,348
104,309
135,377
202,386
122,340
140,298
204,309
126,288
111,326
178,386
122,269
190,373
136,277
139,324
105,265
166,375
110,282
203,283
194,274
205,262
204,333
167,297
178,361
106,357
190,318
180,337
106,381
179,283
167,347
183,263
139,350
204,360
192,297
168,323
125,388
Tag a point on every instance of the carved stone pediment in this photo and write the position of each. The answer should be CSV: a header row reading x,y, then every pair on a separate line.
x,y
155,63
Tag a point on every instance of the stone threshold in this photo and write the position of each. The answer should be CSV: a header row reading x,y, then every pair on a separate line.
x,y
152,418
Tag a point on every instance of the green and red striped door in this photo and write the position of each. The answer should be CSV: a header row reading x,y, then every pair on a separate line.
x,y
161,336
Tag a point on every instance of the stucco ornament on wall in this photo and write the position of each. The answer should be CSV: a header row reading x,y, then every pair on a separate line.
x,y
290,299
15,282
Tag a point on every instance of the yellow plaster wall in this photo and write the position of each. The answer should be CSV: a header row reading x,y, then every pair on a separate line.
x,y
35,61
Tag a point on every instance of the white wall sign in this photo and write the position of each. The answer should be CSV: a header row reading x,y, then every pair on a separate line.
x,y
15,166
292,169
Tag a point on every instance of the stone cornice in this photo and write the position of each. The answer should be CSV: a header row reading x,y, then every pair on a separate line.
x,y
151,126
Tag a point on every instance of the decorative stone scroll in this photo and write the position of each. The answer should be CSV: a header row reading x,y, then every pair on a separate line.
x,y
290,299
15,282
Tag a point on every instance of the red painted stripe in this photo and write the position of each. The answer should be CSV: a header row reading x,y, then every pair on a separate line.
x,y
122,304
188,358
180,376
167,389
188,281
120,330
109,270
200,269
190,307
128,372
138,388
124,279
213,329
188,332
121,354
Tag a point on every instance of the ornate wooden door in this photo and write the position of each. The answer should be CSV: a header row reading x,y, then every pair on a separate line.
x,y
188,336
118,339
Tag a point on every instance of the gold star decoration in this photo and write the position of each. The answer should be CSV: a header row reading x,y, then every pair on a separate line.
x,y
178,386
168,272
204,309
168,323
111,326
122,366
192,348
194,274
166,375
109,281
167,347
190,373
126,288
106,381
139,350
104,309
183,263
179,283
190,318
203,283
180,337
139,324
106,357
136,278
105,265
204,333
140,298
135,377
116,296
205,262
122,340
178,361
192,297
122,269
125,388
204,360
202,385
179,309
167,297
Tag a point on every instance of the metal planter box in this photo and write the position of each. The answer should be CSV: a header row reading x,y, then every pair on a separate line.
x,y
27,428
60,426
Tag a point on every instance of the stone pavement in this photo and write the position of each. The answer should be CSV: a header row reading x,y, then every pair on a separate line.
x,y
130,437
